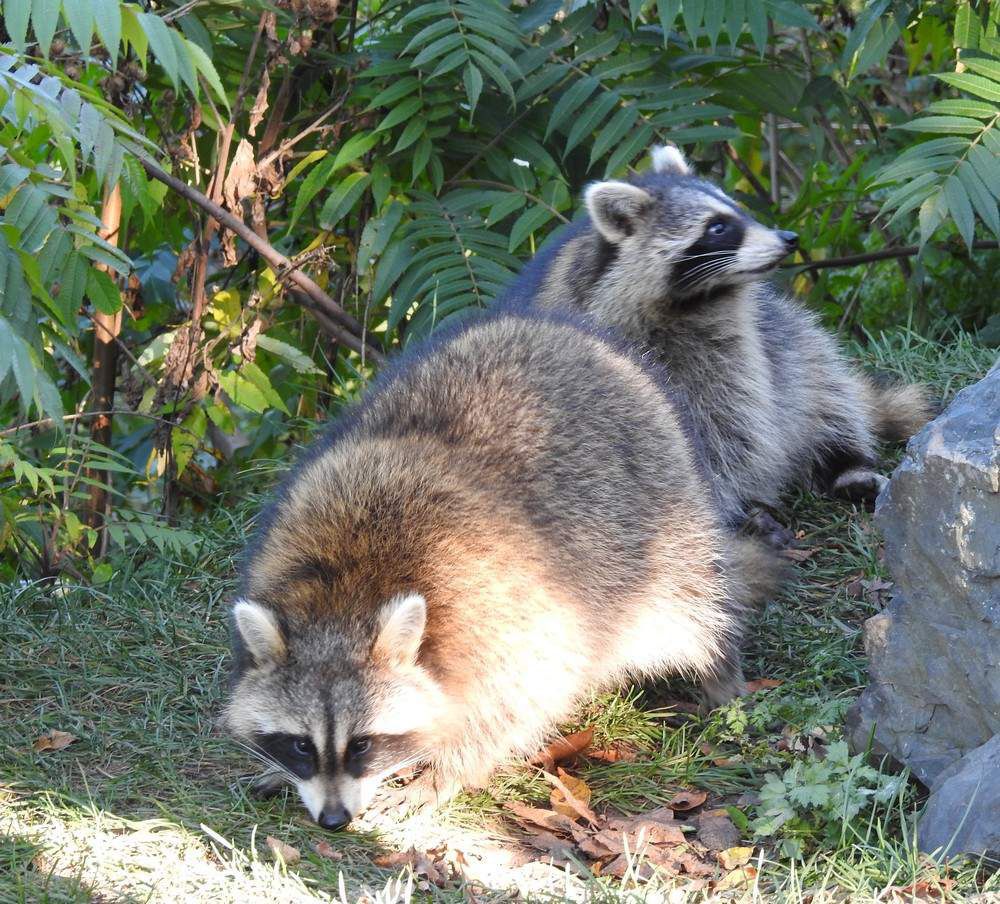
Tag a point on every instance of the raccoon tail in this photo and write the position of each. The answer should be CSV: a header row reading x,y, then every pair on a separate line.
x,y
756,570
900,409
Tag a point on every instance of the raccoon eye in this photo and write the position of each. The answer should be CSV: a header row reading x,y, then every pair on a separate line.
x,y
302,747
717,227
358,747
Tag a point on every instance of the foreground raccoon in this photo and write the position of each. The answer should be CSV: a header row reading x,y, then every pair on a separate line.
x,y
510,520
674,264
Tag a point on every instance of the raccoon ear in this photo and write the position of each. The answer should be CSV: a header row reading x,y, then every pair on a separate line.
x,y
259,631
401,628
616,208
668,159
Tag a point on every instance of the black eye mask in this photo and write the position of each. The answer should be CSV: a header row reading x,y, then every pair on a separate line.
x,y
713,253
295,752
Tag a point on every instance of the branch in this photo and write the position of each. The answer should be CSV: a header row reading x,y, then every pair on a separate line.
x,y
853,260
339,324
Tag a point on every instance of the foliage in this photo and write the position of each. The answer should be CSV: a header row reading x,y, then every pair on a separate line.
x,y
815,800
408,155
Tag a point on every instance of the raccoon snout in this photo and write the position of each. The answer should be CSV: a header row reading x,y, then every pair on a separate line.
x,y
333,818
791,239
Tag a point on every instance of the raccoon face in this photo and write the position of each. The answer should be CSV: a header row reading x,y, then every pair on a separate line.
x,y
331,716
682,238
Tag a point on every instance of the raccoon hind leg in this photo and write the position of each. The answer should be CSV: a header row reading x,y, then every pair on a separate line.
x,y
848,472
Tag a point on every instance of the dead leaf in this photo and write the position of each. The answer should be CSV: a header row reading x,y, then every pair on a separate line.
x,y
281,851
694,865
239,181
797,555
924,889
733,857
655,827
763,684
744,875
717,833
543,819
563,748
570,796
616,753
260,103
620,866
326,851
54,740
687,799
548,843
422,864
718,760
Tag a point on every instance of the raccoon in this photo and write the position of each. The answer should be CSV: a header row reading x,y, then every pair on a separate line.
x,y
673,263
511,519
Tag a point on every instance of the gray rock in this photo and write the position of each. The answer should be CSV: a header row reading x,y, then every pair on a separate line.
x,y
963,812
934,653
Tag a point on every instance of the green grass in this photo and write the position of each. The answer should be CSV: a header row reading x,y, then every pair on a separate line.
x,y
150,803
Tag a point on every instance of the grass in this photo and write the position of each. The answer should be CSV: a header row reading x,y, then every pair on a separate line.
x,y
150,803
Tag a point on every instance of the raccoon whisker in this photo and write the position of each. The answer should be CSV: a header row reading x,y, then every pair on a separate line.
x,y
703,271
266,760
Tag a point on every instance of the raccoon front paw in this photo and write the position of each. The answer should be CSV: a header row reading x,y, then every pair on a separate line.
x,y
768,530
427,790
859,485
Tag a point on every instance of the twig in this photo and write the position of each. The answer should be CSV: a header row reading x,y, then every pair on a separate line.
x,y
853,260
50,422
340,325
746,172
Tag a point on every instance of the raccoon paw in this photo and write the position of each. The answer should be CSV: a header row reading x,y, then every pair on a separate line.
x,y
768,530
427,790
859,485
719,690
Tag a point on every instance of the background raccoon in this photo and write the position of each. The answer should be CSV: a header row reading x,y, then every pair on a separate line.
x,y
673,263
511,519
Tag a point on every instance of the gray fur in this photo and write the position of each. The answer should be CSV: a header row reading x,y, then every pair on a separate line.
x,y
773,398
512,519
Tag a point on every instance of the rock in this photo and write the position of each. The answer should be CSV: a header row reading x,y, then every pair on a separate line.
x,y
963,812
934,665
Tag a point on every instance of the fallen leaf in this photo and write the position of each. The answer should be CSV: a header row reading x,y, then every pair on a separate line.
x,y
687,799
717,833
763,684
695,866
924,889
281,851
326,851
54,740
550,844
733,857
563,748
738,877
570,796
543,819
654,827
718,760
616,753
620,867
797,555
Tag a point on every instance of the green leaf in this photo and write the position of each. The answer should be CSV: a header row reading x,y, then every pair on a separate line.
x,y
299,361
429,32
571,100
757,23
102,292
962,107
355,148
961,209
162,44
472,78
415,128
185,66
311,186
44,17
399,114
987,168
242,391
204,65
437,49
15,19
304,164
421,154
108,16
988,67
505,207
629,149
714,13
396,91
974,84
585,123
960,124
967,26
693,11
983,202
186,440
390,267
533,218
261,380
343,198
932,212
614,132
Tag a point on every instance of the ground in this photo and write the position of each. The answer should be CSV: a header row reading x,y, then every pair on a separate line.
x,y
150,802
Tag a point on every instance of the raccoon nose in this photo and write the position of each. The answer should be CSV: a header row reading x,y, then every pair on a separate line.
x,y
791,239
334,818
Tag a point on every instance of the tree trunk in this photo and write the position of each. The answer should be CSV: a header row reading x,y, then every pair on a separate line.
x,y
103,368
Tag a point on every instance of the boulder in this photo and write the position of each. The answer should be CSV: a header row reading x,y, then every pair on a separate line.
x,y
934,653
963,812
